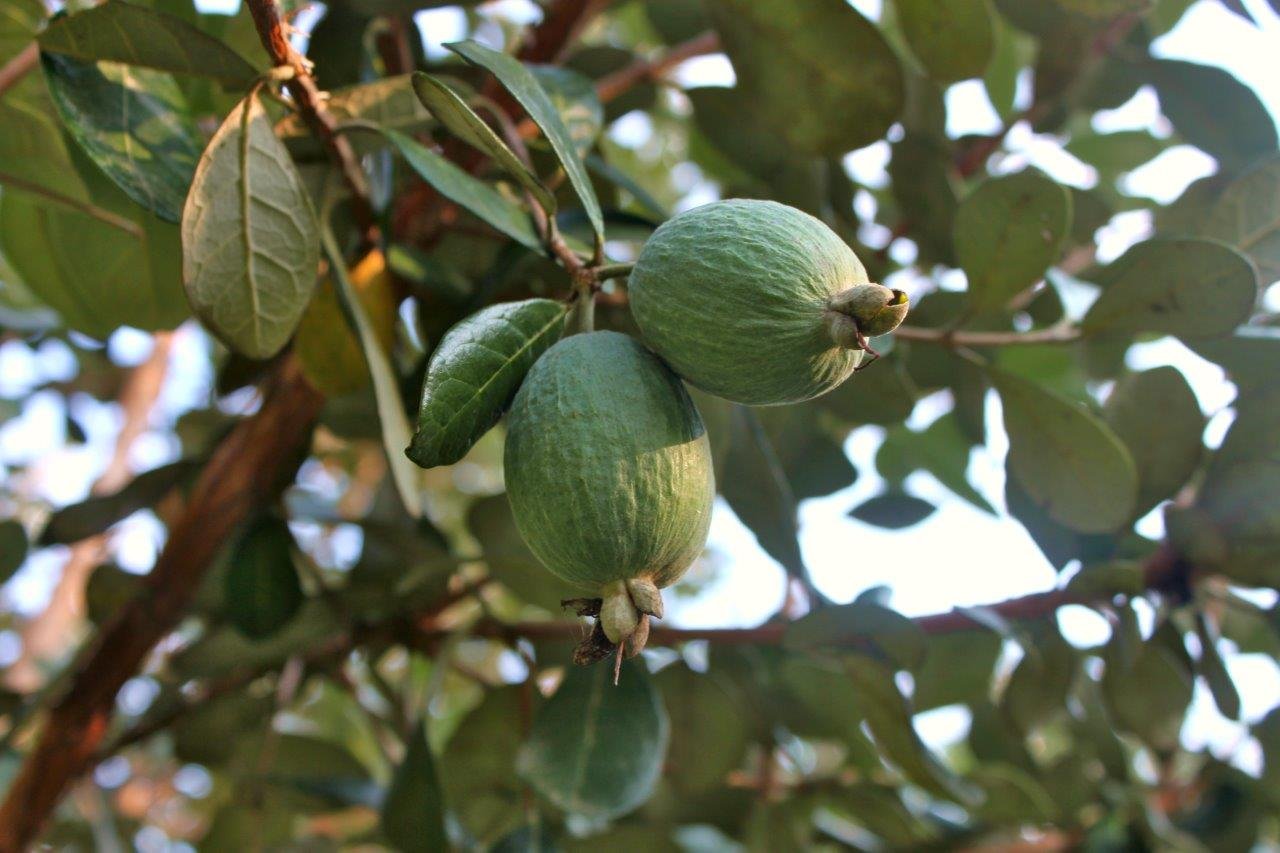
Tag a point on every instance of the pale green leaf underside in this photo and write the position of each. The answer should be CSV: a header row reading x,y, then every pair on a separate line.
x,y
462,121
524,87
135,125
596,749
474,373
1178,286
249,236
1247,215
460,187
1007,233
1067,460
136,35
386,386
823,74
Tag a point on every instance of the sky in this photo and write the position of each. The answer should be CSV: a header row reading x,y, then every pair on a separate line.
x,y
958,556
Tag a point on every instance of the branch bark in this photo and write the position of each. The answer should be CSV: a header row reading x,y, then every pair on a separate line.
x,y
1059,334
302,86
244,472
18,67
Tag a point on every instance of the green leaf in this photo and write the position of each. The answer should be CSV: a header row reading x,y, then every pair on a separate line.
x,y
1247,216
826,77
676,21
595,749
13,548
1249,356
1008,232
574,97
1038,688
134,124
461,187
509,558
954,41
893,510
710,731
1178,286
413,813
1156,415
262,588
860,624
249,236
1213,670
757,490
478,765
475,372
1070,463
1114,153
1104,8
1013,796
1213,110
135,35
942,449
889,718
958,669
1148,695
94,515
123,270
462,121
386,385
524,87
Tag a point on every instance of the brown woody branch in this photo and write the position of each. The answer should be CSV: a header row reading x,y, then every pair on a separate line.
x,y
18,67
1063,333
302,86
243,473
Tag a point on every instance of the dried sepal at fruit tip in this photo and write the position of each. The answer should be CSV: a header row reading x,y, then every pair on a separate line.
x,y
874,309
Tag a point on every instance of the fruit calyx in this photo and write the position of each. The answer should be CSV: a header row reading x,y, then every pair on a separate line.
x,y
622,621
865,311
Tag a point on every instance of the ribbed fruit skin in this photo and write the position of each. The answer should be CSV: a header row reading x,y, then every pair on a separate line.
x,y
607,464
733,294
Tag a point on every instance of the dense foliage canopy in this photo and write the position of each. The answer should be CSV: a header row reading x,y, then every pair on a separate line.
x,y
336,646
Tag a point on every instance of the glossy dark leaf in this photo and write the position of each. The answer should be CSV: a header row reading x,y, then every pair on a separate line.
x,y
94,515
472,193
262,587
524,87
135,125
827,79
13,548
893,510
413,813
136,35
1178,286
1069,462
474,373
250,239
451,111
596,749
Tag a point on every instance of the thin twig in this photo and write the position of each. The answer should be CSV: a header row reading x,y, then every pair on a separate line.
x,y
18,67
302,86
1064,333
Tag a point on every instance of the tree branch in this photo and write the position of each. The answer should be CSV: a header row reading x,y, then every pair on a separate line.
x,y
624,79
302,86
243,473
18,67
1063,333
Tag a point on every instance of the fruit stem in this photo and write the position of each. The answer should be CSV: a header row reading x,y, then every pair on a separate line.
x,y
582,316
608,271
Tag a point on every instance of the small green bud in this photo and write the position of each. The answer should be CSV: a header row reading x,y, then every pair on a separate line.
x,y
874,308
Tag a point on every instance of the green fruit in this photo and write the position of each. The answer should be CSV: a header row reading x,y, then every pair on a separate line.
x,y
758,302
608,471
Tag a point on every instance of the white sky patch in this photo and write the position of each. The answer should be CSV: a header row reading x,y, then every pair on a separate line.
x,y
1172,171
1141,112
440,26
1045,152
868,166
969,110
711,70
